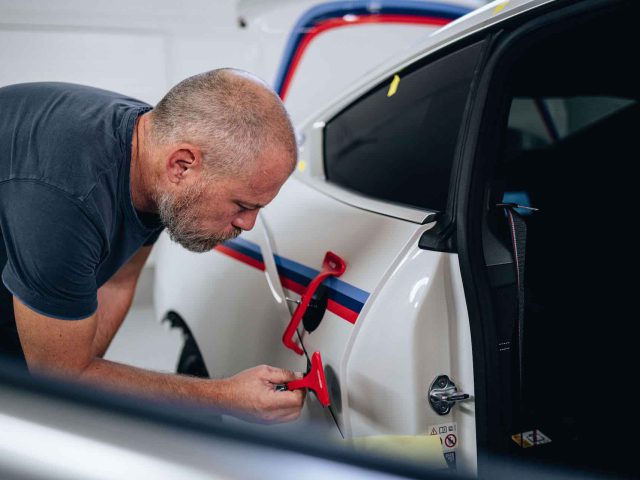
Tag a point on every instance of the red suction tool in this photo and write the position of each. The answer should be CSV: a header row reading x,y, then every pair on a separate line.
x,y
332,266
314,380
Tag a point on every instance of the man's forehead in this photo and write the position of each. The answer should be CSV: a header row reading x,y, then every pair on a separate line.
x,y
257,187
271,166
261,176
265,182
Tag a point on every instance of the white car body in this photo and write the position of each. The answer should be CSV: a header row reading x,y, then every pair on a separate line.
x,y
399,316
237,313
381,371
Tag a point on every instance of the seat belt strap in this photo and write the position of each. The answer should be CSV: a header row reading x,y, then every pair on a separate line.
x,y
518,229
518,233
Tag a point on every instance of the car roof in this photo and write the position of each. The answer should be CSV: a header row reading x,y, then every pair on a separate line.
x,y
475,21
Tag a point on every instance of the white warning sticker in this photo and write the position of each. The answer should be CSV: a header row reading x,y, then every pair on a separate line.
x,y
448,433
532,438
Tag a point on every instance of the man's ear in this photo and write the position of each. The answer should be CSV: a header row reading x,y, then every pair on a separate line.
x,y
183,161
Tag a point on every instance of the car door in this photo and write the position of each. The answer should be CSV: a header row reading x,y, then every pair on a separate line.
x,y
372,186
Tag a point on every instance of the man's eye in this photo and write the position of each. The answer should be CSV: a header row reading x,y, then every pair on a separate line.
x,y
246,207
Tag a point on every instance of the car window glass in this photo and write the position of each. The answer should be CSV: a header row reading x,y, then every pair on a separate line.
x,y
542,122
538,122
397,143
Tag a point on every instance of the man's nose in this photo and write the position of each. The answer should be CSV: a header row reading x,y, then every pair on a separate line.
x,y
246,220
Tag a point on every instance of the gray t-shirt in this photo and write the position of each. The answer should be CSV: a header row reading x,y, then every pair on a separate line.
x,y
67,222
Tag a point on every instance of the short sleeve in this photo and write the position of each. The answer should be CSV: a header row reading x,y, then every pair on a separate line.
x,y
151,239
53,249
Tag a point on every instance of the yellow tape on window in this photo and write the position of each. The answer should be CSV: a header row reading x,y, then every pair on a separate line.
x,y
393,88
500,7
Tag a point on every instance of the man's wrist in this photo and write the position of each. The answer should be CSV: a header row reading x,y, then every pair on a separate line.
x,y
213,392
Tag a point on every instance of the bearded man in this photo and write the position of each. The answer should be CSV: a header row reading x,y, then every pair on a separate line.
x,y
88,180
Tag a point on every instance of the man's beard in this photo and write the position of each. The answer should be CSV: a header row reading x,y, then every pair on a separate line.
x,y
179,217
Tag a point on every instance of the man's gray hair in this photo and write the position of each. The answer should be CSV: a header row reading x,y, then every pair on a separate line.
x,y
230,114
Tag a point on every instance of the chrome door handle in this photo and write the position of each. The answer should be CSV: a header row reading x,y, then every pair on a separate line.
x,y
443,395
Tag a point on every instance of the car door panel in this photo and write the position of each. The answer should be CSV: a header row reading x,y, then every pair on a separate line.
x,y
301,240
415,329
410,329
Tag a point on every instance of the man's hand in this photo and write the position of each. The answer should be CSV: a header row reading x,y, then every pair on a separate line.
x,y
252,393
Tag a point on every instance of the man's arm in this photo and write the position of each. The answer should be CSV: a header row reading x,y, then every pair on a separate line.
x,y
114,300
67,348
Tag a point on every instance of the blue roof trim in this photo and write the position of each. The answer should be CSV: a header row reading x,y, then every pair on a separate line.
x,y
326,11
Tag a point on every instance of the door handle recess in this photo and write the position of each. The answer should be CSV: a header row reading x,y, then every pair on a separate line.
x,y
332,266
313,380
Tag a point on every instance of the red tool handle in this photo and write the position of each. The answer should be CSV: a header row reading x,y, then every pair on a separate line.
x,y
332,266
314,380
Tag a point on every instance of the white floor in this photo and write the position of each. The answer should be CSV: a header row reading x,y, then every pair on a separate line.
x,y
142,341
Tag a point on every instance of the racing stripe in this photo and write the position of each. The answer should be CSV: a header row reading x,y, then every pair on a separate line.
x,y
324,17
345,300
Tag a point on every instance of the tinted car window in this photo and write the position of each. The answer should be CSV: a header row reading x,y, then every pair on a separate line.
x,y
400,146
542,121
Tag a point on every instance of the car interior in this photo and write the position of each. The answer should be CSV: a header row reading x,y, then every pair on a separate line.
x,y
568,148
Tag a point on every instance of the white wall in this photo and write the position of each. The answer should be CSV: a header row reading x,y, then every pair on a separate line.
x,y
137,47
